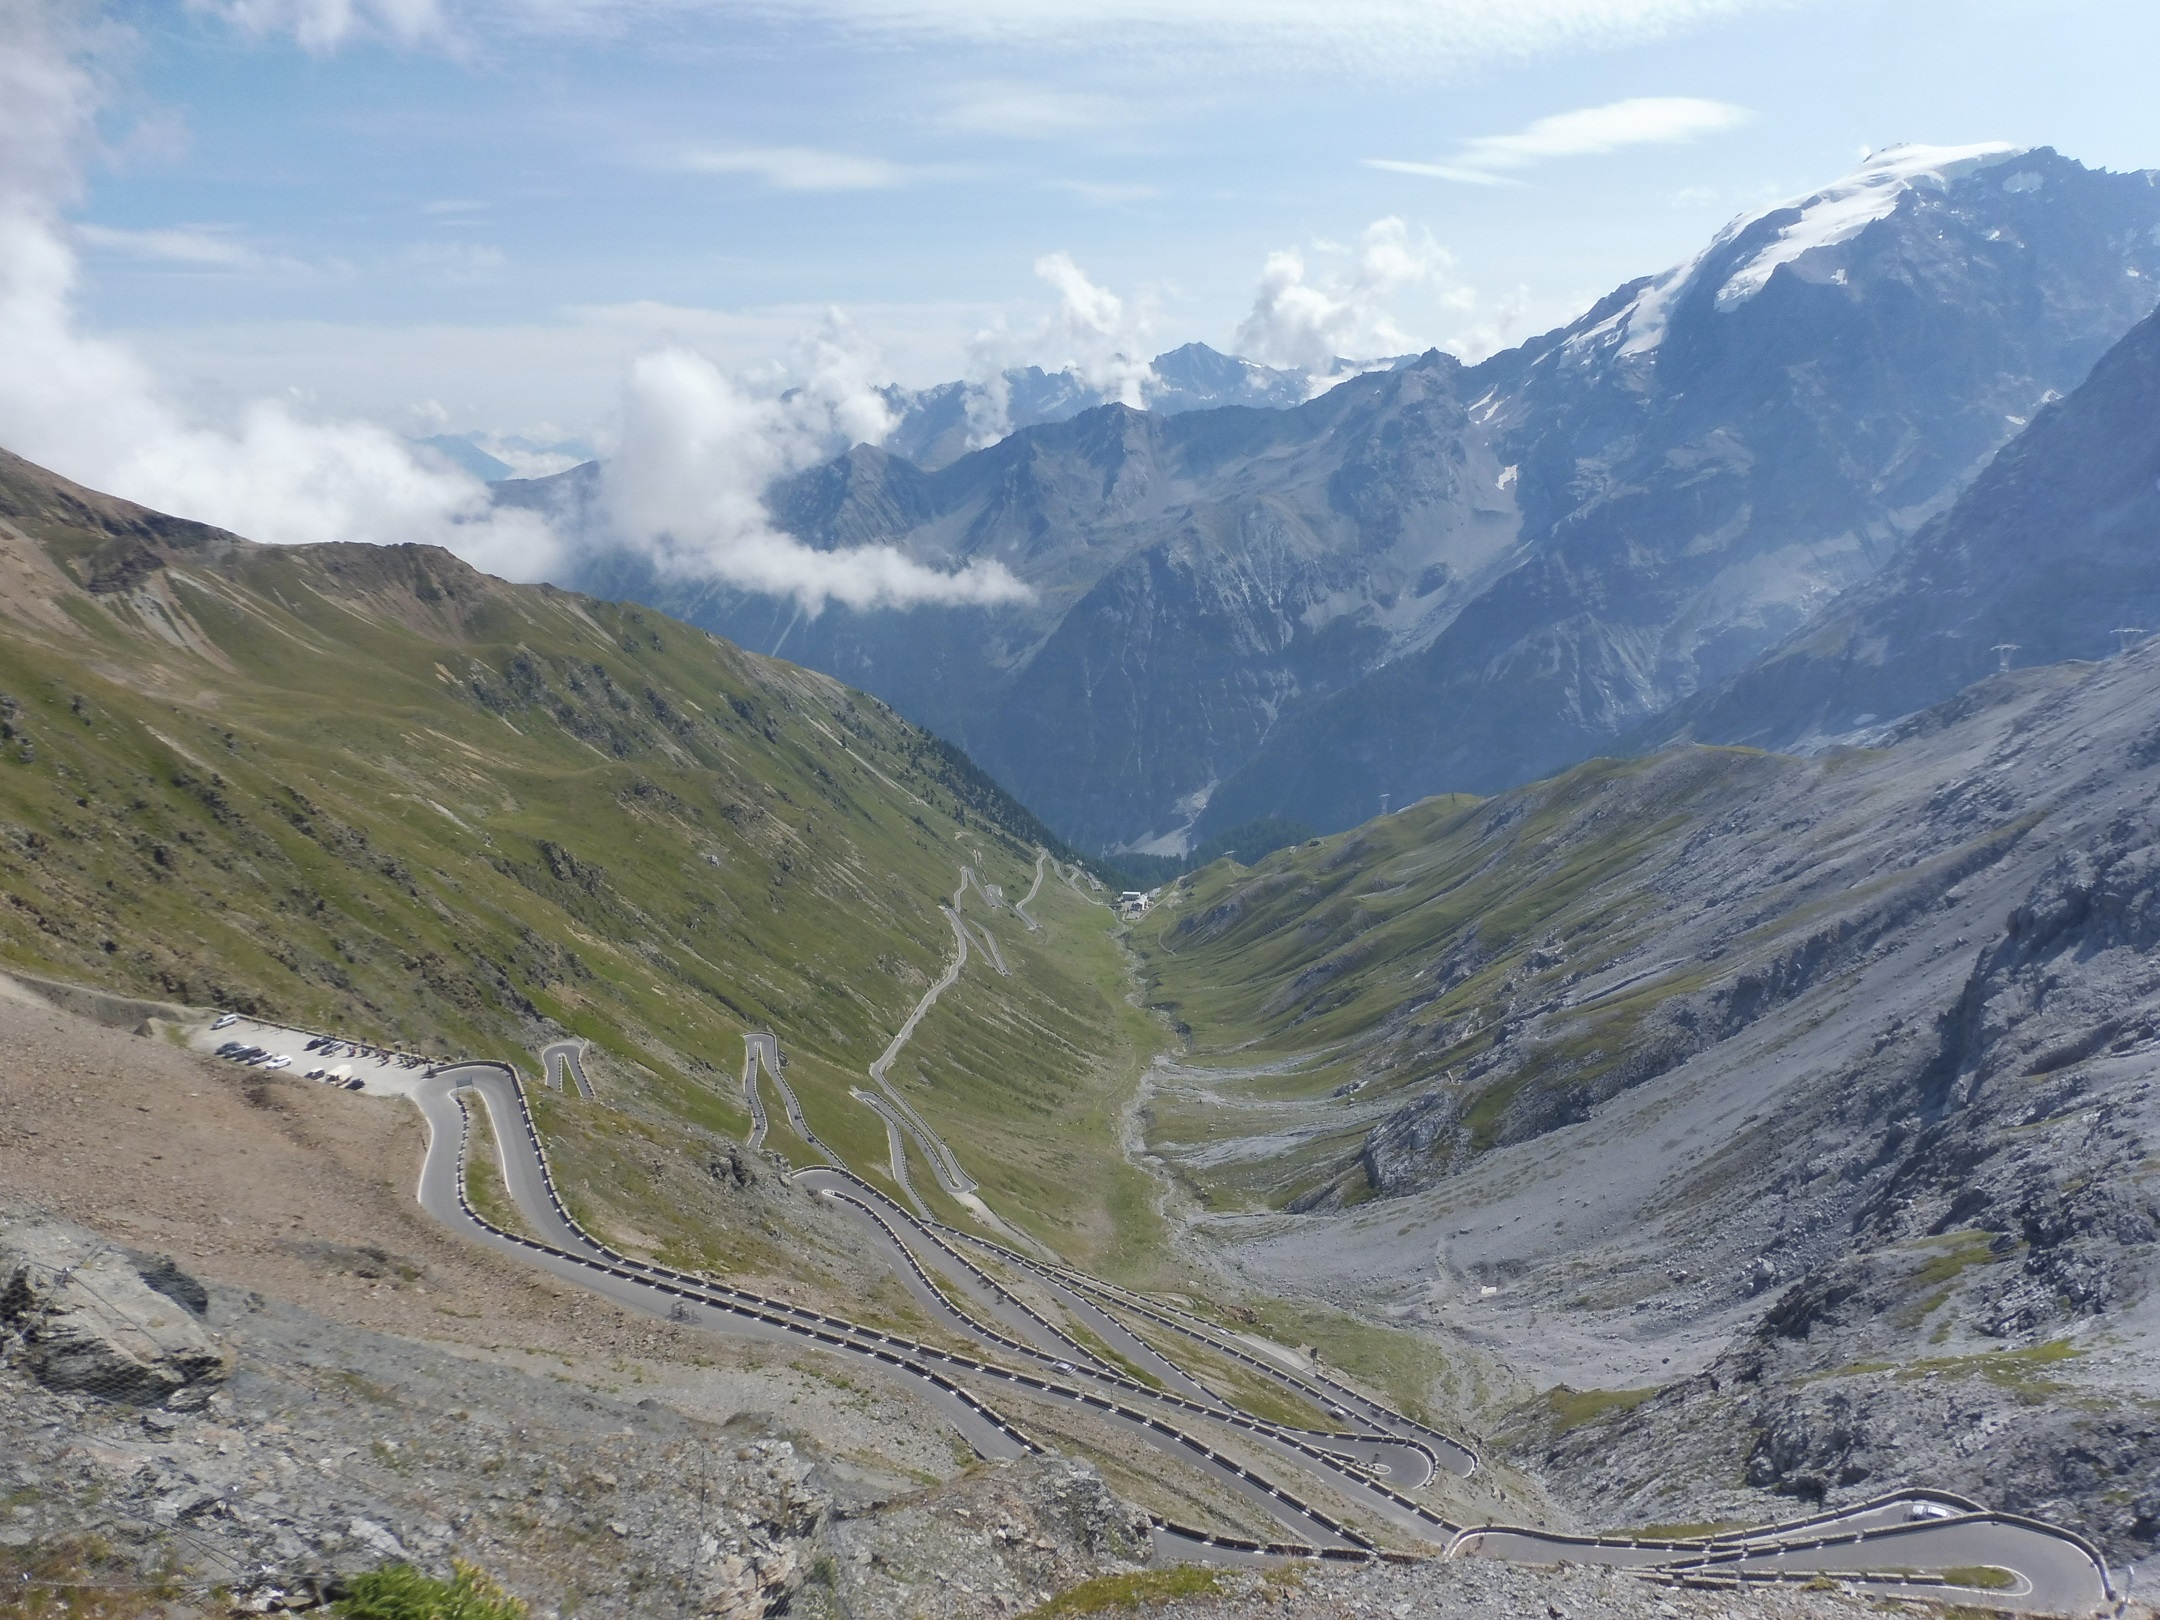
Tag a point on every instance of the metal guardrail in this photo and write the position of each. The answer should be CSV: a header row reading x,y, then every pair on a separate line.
x,y
840,1333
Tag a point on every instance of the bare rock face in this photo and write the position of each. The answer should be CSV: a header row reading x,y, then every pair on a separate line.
x,y
751,1558
1072,1502
81,1318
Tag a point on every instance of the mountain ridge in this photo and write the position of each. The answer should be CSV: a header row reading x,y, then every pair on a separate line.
x,y
1599,522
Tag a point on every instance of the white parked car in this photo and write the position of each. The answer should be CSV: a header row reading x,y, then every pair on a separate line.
x,y
278,1063
226,1021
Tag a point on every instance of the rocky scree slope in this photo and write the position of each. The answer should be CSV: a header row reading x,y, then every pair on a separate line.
x,y
2054,548
1799,1112
1448,577
234,1351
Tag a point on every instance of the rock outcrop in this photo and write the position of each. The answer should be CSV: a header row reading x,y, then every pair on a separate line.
x,y
85,1318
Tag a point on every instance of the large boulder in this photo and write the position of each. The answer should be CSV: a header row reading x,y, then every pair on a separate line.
x,y
79,1315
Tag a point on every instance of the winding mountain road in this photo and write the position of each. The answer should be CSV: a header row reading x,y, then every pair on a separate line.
x,y
1020,906
1114,1363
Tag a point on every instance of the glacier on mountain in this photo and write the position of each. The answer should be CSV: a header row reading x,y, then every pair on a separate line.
x,y
1836,213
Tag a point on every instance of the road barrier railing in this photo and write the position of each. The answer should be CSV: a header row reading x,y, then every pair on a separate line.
x,y
888,1347
830,1331
1299,1440
1311,1385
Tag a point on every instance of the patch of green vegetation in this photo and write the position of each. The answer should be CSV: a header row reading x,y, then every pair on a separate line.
x,y
1984,1577
1958,1251
1700,1530
1300,970
1565,1408
1131,1592
2018,1371
80,1579
401,1592
1100,1349
485,1189
1251,1391
1404,1367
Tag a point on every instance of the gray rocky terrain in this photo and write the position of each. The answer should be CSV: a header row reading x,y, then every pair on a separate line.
x,y
331,1449
1763,1127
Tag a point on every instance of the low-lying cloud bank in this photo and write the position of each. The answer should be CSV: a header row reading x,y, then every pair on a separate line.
x,y
697,450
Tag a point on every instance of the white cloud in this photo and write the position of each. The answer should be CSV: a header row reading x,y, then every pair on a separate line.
x,y
204,248
1030,111
89,408
698,451
1100,338
794,168
320,26
1308,323
1492,160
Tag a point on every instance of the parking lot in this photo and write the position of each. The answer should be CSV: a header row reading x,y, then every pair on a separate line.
x,y
338,1062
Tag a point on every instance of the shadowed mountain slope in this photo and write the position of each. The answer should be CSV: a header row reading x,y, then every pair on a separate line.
x,y
1708,457
1440,577
2054,548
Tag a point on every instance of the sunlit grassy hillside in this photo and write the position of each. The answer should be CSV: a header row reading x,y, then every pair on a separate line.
x,y
376,791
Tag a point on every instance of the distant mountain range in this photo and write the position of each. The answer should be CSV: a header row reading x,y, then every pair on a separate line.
x,y
941,424
1439,576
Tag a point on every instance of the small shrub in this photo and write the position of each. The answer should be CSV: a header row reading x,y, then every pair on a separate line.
x,y
1131,1592
401,1592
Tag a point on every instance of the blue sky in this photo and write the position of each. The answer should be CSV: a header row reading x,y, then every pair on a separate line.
x,y
472,215
250,249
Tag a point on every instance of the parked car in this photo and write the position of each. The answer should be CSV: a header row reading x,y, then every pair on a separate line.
x,y
354,1084
226,1021
279,1062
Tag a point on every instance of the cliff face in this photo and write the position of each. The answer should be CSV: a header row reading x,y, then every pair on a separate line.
x,y
2054,548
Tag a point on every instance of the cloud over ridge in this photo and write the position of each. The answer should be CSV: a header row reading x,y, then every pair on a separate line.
x,y
1491,160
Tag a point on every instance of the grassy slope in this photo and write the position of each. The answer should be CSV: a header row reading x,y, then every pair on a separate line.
x,y
375,791
1393,955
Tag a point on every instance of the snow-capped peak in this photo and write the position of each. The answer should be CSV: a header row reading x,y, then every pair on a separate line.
x,y
1836,213
1842,211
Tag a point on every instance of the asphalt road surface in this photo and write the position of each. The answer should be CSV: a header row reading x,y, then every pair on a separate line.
x,y
567,1058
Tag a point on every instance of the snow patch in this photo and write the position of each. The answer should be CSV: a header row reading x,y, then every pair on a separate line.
x,y
1836,213
1840,212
